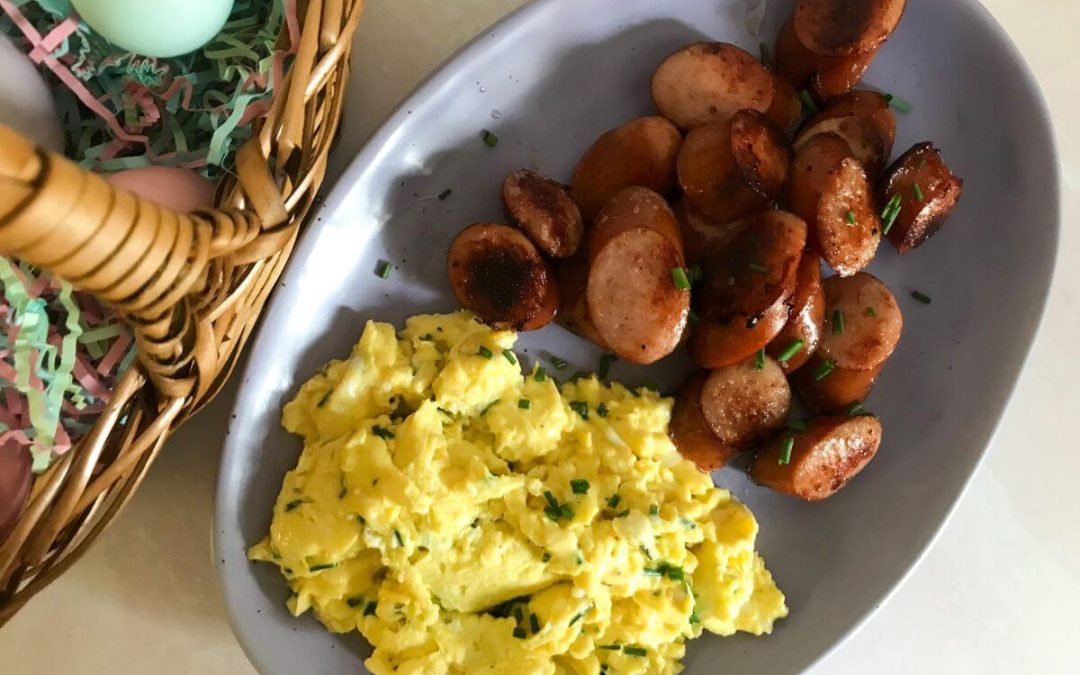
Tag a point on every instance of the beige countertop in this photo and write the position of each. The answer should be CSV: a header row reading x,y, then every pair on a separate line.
x,y
997,593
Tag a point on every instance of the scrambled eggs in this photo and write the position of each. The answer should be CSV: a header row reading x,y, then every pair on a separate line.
x,y
467,519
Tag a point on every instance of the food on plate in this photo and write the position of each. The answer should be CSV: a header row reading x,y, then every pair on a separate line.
x,y
640,153
846,27
798,340
786,109
864,322
710,82
758,269
746,402
467,519
735,167
872,146
827,389
716,239
691,433
701,236
812,464
830,190
572,276
714,344
497,272
918,193
637,308
543,209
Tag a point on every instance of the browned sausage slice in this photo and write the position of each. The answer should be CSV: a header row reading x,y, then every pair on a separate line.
x,y
572,275
714,344
542,208
814,163
691,434
863,138
634,303
642,153
496,272
823,459
927,192
709,82
846,27
743,405
801,335
829,390
865,319
826,77
786,109
632,208
701,236
848,231
753,273
869,105
733,168
794,62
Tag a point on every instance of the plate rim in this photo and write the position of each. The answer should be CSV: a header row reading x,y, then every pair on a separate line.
x,y
367,159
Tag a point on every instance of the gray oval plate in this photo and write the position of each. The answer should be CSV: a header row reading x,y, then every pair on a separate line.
x,y
559,73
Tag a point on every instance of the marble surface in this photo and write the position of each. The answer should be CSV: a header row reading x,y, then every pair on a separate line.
x,y
997,593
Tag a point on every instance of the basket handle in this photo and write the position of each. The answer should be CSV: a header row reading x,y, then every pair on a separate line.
x,y
144,260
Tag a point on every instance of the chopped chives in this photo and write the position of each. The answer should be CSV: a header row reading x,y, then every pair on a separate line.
x,y
324,399
371,607
578,617
759,359
579,486
824,369
540,375
916,190
654,510
898,104
682,282
652,572
490,139
760,269
550,497
534,623
485,352
635,651
546,557
558,363
581,408
694,618
354,602
382,433
293,505
922,297
809,107
400,541
622,514
837,322
850,217
427,338
854,409
871,312
890,213
610,648
602,410
785,451
445,194
488,407
384,269
790,351
605,365
524,403
509,356
675,573
614,501
645,551
319,568
520,633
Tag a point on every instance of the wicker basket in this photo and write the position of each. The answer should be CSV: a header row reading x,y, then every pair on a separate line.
x,y
191,287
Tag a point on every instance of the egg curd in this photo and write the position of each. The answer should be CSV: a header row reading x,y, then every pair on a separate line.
x,y
468,519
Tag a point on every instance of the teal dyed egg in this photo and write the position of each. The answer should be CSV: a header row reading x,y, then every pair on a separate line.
x,y
161,28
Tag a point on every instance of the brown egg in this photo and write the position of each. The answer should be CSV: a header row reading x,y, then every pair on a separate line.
x,y
15,480
174,188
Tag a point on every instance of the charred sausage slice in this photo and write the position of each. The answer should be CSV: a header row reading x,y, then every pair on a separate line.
x,y
690,432
801,335
829,390
927,192
496,272
543,209
632,208
714,344
846,27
